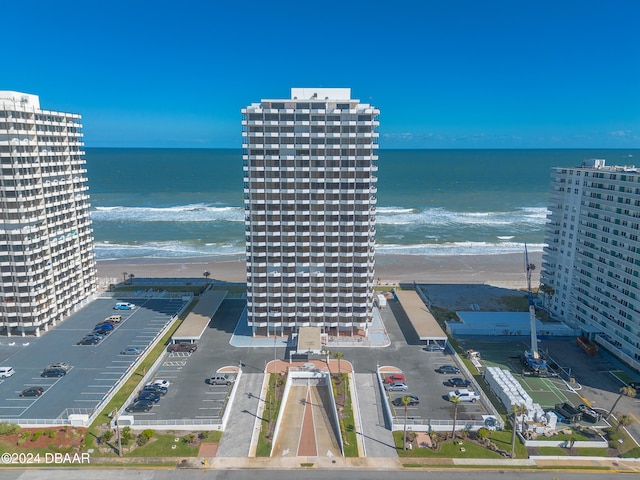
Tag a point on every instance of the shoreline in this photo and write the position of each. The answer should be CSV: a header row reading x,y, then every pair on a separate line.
x,y
505,269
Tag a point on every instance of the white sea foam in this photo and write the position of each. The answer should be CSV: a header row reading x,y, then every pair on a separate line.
x,y
443,217
198,212
106,250
459,248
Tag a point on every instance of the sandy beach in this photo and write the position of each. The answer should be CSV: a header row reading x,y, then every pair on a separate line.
x,y
505,270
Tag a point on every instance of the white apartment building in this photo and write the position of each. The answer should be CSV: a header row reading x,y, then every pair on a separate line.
x,y
47,263
310,166
592,259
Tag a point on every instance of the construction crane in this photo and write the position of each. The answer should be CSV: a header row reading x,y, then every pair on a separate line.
x,y
531,357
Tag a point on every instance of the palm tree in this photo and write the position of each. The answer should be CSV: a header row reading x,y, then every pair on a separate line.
x,y
405,403
327,353
624,392
131,277
338,356
623,421
124,277
206,275
517,410
456,401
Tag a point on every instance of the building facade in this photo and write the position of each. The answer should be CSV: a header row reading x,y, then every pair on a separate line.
x,y
310,166
47,262
591,264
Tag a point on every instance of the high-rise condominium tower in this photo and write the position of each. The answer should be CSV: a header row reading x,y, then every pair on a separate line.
x,y
310,196
591,265
47,264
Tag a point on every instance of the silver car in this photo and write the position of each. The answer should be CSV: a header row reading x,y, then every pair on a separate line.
x,y
396,387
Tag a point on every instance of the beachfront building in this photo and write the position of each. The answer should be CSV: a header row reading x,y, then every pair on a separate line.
x,y
591,264
47,264
310,166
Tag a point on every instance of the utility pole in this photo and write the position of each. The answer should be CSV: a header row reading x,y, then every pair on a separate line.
x,y
118,432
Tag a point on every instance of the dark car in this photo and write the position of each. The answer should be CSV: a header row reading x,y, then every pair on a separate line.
x,y
32,392
106,322
141,406
147,397
89,341
159,389
105,328
448,369
182,347
53,372
413,400
457,382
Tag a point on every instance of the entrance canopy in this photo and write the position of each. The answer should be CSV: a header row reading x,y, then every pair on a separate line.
x,y
309,340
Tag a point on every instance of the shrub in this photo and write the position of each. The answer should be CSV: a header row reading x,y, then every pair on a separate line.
x,y
36,435
107,435
8,428
52,434
483,433
21,441
148,433
126,436
142,440
189,438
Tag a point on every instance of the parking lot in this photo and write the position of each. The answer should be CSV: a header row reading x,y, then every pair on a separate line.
x,y
432,392
189,396
94,369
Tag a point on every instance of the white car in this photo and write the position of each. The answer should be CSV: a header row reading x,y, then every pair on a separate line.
x,y
162,383
464,395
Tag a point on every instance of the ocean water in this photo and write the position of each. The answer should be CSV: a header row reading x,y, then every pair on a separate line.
x,y
172,203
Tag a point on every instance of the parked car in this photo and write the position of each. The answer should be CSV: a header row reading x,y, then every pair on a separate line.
x,y
62,365
131,351
162,383
148,397
413,400
105,328
32,392
182,347
106,322
450,369
221,379
396,387
113,318
160,390
464,395
124,306
434,347
141,406
89,341
53,372
6,372
396,377
457,382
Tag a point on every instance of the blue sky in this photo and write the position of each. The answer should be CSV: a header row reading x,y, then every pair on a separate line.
x,y
445,74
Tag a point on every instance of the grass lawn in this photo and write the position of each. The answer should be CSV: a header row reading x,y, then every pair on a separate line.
x,y
160,446
449,449
270,412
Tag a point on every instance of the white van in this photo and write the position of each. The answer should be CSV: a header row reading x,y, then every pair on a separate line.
x,y
6,372
221,379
